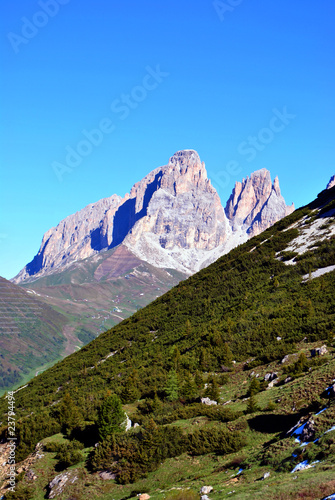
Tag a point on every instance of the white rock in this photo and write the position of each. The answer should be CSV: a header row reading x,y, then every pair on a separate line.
x,y
206,489
208,402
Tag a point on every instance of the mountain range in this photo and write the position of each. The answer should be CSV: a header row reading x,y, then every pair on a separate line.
x,y
173,218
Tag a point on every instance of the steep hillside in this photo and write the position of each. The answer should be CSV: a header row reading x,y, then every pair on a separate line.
x,y
100,291
31,334
245,327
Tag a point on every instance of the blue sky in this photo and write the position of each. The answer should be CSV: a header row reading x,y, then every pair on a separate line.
x,y
247,84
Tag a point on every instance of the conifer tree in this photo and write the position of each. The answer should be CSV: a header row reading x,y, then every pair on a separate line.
x,y
70,416
111,417
171,388
212,390
254,386
199,382
252,406
189,389
130,392
227,356
176,358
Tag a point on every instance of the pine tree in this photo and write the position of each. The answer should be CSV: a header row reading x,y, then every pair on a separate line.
x,y
199,382
227,356
189,389
176,358
254,386
252,406
129,393
111,417
70,416
172,386
212,391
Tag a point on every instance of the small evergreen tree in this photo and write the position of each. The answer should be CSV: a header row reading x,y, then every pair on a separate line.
x,y
111,417
129,393
227,356
70,416
199,382
212,390
252,406
189,389
172,386
254,386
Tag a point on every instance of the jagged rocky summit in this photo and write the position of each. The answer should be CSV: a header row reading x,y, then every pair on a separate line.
x,y
172,218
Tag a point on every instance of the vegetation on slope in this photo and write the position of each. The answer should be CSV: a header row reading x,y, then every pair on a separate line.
x,y
249,307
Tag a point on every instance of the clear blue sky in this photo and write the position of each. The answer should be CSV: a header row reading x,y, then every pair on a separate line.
x,y
156,77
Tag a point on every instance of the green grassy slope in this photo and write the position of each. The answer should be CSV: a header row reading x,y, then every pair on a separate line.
x,y
30,334
254,306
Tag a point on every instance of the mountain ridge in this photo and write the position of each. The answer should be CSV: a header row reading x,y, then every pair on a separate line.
x,y
172,218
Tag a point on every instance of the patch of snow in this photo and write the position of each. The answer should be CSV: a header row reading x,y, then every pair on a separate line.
x,y
300,466
318,272
309,233
304,465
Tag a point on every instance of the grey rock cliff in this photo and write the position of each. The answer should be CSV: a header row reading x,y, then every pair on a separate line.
x,y
256,203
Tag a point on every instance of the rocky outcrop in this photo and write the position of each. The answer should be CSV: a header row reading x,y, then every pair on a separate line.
x,y
331,183
76,237
172,218
256,204
184,216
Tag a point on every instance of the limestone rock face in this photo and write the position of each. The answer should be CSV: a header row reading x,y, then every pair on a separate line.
x,y
172,218
331,183
76,237
256,204
185,212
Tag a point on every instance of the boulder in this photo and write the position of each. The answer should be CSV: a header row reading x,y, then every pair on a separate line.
x,y
57,485
308,431
271,376
319,351
285,359
208,402
144,496
206,489
107,475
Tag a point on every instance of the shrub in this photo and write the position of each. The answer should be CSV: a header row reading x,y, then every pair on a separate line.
x,y
69,454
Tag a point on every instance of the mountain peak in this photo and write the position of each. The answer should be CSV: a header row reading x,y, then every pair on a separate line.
x,y
256,203
185,157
